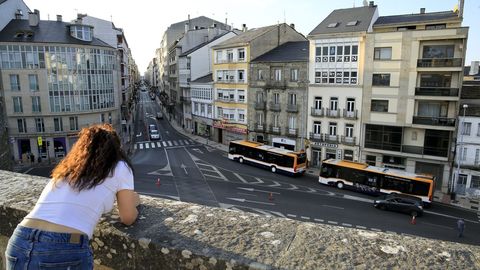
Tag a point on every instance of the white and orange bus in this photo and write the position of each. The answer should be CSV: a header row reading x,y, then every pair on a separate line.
x,y
376,180
266,156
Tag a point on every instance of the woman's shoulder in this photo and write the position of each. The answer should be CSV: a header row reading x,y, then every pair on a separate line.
x,y
122,167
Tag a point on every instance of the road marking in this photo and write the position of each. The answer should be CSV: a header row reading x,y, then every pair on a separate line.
x,y
436,225
248,194
259,181
332,222
164,143
184,168
449,216
153,145
170,143
202,169
180,142
312,190
160,195
304,217
175,143
292,216
258,190
318,220
27,171
213,176
331,206
197,150
141,146
276,184
147,146
138,135
361,227
347,224
241,178
250,201
135,147
292,187
375,229
158,144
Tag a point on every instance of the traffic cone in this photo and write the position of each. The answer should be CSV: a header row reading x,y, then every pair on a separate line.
x,y
158,182
413,221
270,196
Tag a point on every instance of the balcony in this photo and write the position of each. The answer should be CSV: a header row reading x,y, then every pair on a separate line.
x,y
226,100
291,132
333,113
350,114
434,121
259,127
349,140
332,138
274,130
274,107
316,112
259,105
436,91
293,108
440,62
316,137
273,84
430,151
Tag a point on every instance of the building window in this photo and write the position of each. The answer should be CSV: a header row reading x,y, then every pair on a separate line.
x,y
318,103
229,56
383,137
14,82
241,115
260,118
292,122
209,110
467,128
379,105
275,120
294,75
241,95
292,99
33,82
333,103
73,123
276,98
383,53
219,112
241,75
381,80
58,124
218,56
349,130
477,157
478,130
371,160
475,182
463,153
317,127
17,105
22,125
241,54
332,128
350,104
438,51
40,126
278,74
261,75
36,106
435,26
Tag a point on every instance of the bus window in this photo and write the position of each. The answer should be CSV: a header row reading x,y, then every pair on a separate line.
x,y
401,185
421,188
328,171
301,158
232,149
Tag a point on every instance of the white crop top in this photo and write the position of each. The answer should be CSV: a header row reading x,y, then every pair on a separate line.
x,y
82,210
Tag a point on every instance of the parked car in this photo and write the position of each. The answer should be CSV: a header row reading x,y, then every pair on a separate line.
x,y
400,203
159,115
154,135
152,127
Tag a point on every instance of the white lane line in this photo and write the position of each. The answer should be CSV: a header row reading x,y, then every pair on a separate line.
x,y
213,176
147,146
331,206
292,216
332,222
292,187
346,224
303,217
170,143
135,147
164,143
248,194
158,144
276,184
153,145
360,227
311,190
454,217
203,169
318,220
436,225
241,178
375,229
259,181
141,146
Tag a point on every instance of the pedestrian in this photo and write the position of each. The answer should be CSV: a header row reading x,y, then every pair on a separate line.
x,y
84,185
32,158
460,227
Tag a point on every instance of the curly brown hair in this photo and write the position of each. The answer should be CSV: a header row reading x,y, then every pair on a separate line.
x,y
92,158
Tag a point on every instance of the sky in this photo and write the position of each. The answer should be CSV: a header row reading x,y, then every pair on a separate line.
x,y
145,21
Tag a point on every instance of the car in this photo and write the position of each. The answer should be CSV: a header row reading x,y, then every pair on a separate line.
x,y
400,203
152,127
159,115
154,135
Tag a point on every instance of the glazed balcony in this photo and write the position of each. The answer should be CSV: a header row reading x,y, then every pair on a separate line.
x,y
434,121
436,91
439,62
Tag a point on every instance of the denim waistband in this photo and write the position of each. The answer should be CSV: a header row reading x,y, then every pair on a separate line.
x,y
52,237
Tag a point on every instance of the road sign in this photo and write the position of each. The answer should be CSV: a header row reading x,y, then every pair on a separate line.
x,y
12,140
39,140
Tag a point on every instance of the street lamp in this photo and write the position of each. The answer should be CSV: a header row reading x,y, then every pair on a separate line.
x,y
460,150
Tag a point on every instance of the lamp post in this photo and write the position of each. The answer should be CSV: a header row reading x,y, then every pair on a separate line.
x,y
460,150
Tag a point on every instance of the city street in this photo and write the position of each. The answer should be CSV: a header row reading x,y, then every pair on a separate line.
x,y
180,168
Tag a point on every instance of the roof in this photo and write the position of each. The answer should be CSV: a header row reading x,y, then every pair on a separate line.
x,y
266,147
205,79
287,52
1,1
45,32
246,37
416,18
362,15
203,44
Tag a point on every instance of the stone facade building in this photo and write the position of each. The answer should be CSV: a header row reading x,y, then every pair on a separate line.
x,y
277,92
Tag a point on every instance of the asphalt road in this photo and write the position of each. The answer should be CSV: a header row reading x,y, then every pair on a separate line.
x,y
176,167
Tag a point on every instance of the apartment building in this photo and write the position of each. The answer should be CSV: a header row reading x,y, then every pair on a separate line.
x,y
278,96
201,91
231,61
54,83
337,61
193,64
412,75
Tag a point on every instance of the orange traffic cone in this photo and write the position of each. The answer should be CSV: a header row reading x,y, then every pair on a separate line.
x,y
158,182
270,196
413,221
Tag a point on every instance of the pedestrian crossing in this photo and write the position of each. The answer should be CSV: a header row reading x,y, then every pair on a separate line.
x,y
162,144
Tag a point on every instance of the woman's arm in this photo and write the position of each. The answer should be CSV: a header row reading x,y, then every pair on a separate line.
x,y
127,201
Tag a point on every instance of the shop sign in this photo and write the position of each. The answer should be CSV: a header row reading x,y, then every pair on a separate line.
x,y
328,145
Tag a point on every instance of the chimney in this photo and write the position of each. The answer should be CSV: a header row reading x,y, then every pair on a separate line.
x,y
292,25
371,4
244,28
34,18
186,27
474,68
422,10
461,3
59,18
18,14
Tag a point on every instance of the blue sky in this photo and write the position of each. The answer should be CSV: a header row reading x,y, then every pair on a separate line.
x,y
145,21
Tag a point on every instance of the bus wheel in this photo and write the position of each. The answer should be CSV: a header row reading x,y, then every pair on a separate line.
x,y
273,169
339,185
240,160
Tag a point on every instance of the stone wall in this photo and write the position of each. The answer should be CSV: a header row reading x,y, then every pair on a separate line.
x,y
176,235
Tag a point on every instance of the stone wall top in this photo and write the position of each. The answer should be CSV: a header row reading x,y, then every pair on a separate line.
x,y
177,235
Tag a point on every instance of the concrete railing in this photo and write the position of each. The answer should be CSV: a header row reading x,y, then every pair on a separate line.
x,y
176,235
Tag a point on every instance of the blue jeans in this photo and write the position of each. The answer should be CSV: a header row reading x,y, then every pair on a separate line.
x,y
35,249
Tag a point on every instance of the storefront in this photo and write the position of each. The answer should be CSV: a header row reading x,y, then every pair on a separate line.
x,y
225,132
202,126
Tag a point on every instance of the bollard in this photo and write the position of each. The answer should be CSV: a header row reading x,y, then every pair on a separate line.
x,y
158,182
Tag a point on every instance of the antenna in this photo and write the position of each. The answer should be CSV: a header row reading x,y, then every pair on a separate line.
x,y
353,3
111,18
284,17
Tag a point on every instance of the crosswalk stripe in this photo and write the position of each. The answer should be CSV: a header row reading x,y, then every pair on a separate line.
x,y
164,143
187,142
190,140
135,147
158,144
180,142
170,143
175,143
153,145
147,146
141,146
